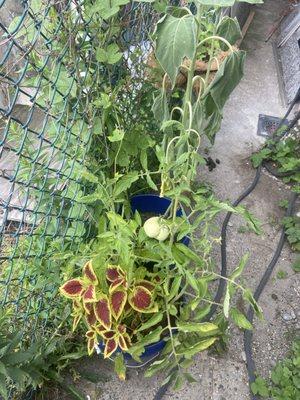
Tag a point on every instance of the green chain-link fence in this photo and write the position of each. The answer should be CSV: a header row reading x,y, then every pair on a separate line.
x,y
50,124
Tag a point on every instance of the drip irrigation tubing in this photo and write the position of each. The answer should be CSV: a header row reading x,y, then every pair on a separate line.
x,y
248,335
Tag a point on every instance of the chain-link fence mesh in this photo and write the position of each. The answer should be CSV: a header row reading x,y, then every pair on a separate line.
x,y
49,80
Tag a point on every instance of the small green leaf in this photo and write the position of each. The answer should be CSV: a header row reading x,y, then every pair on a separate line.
x,y
151,322
157,366
151,182
125,182
175,287
107,8
198,347
201,312
89,176
296,265
117,135
226,302
191,280
237,272
206,328
178,383
120,367
248,296
189,378
259,386
111,55
240,319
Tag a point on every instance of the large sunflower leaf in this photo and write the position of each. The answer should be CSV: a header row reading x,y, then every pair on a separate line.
x,y
176,39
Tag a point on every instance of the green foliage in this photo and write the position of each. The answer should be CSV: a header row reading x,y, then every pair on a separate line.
x,y
285,378
176,39
296,265
285,155
260,387
292,230
116,148
229,29
23,368
281,274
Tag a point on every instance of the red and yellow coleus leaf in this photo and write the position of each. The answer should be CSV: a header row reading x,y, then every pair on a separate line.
x,y
76,321
91,341
122,343
89,295
140,299
117,300
114,272
99,328
121,328
117,283
127,339
146,284
89,273
90,314
72,289
111,346
108,334
115,276
102,311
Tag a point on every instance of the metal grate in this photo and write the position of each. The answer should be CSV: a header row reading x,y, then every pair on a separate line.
x,y
267,125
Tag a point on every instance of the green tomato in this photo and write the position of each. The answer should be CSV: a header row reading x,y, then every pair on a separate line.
x,y
163,233
152,227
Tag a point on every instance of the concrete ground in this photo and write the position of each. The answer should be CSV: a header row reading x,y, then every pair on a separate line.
x,y
225,378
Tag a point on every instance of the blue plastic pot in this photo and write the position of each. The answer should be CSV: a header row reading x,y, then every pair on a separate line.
x,y
152,203
150,353
149,203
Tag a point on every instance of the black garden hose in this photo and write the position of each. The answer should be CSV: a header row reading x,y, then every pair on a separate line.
x,y
248,335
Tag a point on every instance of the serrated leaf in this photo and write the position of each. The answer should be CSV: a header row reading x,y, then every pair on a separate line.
x,y
192,280
206,328
151,182
120,367
151,322
125,182
156,366
88,176
175,287
198,347
240,319
116,136
237,272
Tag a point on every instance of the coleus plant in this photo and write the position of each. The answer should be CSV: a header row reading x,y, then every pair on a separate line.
x,y
105,313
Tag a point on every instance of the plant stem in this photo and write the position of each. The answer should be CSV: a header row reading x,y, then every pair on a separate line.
x,y
170,331
189,87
